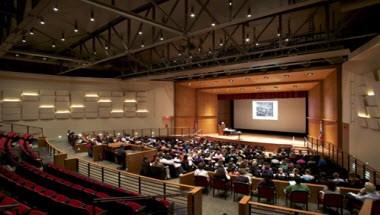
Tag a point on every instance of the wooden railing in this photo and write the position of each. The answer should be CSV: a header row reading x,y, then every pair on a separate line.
x,y
151,132
247,207
189,203
343,159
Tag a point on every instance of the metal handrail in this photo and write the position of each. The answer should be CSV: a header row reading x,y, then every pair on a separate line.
x,y
342,158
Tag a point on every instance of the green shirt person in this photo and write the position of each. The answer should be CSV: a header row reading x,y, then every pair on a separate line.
x,y
298,186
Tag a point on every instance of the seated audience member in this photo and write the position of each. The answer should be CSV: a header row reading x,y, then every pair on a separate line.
x,y
295,173
356,200
186,164
200,171
244,177
337,179
307,176
145,167
354,180
266,183
331,188
121,158
367,192
221,173
298,186
280,173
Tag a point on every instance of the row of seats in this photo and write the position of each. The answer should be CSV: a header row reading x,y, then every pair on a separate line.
x,y
75,190
51,201
157,205
20,209
27,153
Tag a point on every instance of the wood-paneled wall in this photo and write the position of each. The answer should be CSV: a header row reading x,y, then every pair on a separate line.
x,y
224,112
323,107
196,109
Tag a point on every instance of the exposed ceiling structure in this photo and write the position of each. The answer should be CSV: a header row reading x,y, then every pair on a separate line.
x,y
180,39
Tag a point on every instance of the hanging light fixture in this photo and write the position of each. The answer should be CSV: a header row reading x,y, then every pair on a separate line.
x,y
192,13
42,21
76,30
53,45
221,42
161,36
63,37
142,44
247,39
249,13
55,7
23,39
92,18
31,32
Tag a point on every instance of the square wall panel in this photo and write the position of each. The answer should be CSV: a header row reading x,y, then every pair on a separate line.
x,y
47,93
104,112
47,113
30,110
91,115
11,93
130,114
47,100
117,94
117,115
77,115
77,97
62,98
62,93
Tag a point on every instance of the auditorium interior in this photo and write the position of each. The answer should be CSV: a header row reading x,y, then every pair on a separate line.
x,y
189,107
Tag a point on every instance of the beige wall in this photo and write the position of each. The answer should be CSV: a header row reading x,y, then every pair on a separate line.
x,y
360,74
159,99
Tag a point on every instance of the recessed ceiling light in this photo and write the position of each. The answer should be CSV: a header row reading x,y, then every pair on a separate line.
x,y
309,74
140,32
53,45
44,58
55,8
23,39
231,80
278,35
287,39
17,55
92,17
257,44
213,24
31,32
63,37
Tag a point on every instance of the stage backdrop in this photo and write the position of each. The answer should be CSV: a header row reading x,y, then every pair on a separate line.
x,y
281,115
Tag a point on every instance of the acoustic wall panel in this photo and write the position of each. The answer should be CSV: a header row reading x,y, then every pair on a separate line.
x,y
373,111
91,115
11,111
30,110
47,113
47,100
11,93
62,115
373,123
1,112
62,93
104,112
62,98
47,93
117,114
370,100
77,97
117,94
30,95
91,109
130,108
62,105
141,96
130,114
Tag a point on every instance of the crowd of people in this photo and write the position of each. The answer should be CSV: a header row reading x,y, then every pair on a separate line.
x,y
180,155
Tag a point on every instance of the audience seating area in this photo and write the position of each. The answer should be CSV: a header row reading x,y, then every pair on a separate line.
x,y
53,190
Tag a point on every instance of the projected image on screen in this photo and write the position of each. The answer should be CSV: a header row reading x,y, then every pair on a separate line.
x,y
266,110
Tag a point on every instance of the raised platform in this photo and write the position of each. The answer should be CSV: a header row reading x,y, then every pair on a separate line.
x,y
270,142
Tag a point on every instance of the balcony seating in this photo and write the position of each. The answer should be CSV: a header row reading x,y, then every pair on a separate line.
x,y
73,190
42,197
85,182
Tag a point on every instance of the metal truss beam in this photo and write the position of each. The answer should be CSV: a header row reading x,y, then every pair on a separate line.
x,y
132,15
257,16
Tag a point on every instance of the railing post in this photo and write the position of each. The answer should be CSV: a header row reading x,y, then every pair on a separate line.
x,y
356,166
142,132
88,169
103,174
159,132
363,174
139,185
27,129
12,127
118,179
342,159
374,177
244,206
164,191
333,153
348,163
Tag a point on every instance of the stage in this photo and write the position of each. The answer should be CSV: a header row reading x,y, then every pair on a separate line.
x,y
270,142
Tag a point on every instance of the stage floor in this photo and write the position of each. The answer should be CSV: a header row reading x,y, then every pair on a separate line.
x,y
262,138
